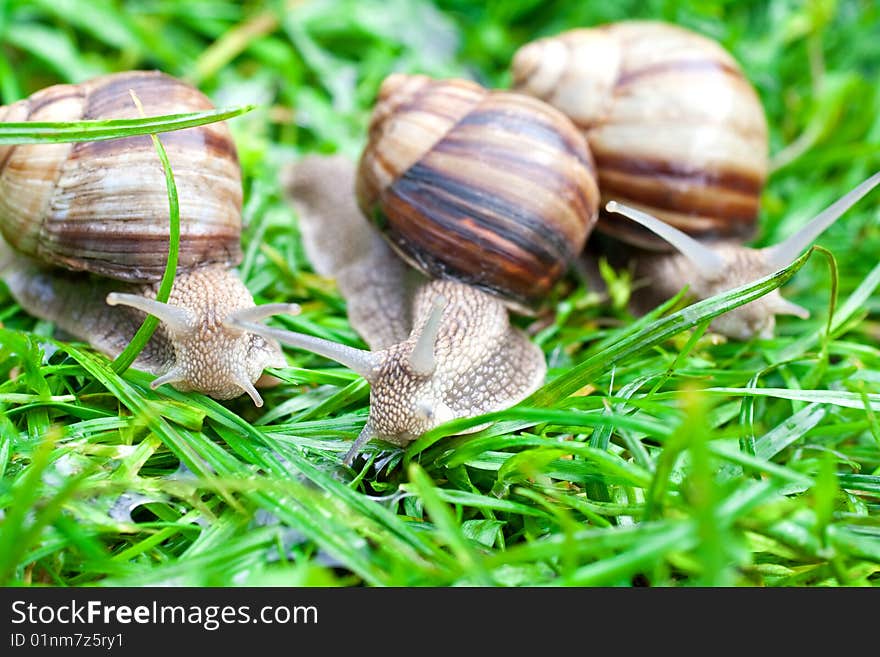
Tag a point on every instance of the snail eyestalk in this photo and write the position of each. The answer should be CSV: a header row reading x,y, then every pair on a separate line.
x,y
365,436
249,388
177,320
256,313
784,253
363,362
421,360
173,375
707,262
781,306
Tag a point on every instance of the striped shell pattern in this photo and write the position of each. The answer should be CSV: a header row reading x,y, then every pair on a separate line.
x,y
494,189
102,206
673,124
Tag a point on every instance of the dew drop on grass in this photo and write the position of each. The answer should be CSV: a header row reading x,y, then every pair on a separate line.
x,y
126,503
49,350
183,473
61,469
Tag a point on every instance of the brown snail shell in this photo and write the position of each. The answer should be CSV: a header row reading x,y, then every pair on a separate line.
x,y
439,349
493,189
102,206
101,209
675,127
680,141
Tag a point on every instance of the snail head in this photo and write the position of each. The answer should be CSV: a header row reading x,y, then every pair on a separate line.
x,y
212,354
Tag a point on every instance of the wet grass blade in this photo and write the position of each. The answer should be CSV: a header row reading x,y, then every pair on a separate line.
x,y
39,132
124,360
660,331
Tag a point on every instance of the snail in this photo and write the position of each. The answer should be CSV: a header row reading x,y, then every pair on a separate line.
x,y
86,235
488,195
710,270
678,134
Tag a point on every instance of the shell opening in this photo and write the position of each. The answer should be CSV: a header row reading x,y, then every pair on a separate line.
x,y
421,360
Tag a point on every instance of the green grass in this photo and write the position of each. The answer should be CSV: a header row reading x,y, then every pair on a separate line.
x,y
656,454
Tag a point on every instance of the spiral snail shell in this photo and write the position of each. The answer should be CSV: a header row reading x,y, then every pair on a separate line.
x,y
102,206
101,209
494,189
675,127
680,142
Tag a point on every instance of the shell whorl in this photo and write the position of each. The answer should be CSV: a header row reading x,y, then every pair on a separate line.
x,y
493,189
102,206
675,127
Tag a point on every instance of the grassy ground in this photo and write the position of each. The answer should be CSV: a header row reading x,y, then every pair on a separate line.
x,y
656,454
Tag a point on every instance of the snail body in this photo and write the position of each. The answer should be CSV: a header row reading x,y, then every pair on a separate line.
x,y
478,200
679,137
439,349
86,229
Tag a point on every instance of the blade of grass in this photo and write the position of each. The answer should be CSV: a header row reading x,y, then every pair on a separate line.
x,y
834,397
446,523
124,360
659,331
43,132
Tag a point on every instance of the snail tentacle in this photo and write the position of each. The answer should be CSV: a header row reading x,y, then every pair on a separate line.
x,y
177,320
422,360
245,383
174,375
784,253
707,262
365,436
363,362
256,313
782,306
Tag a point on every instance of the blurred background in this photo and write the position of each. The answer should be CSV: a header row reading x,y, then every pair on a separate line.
x,y
315,65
